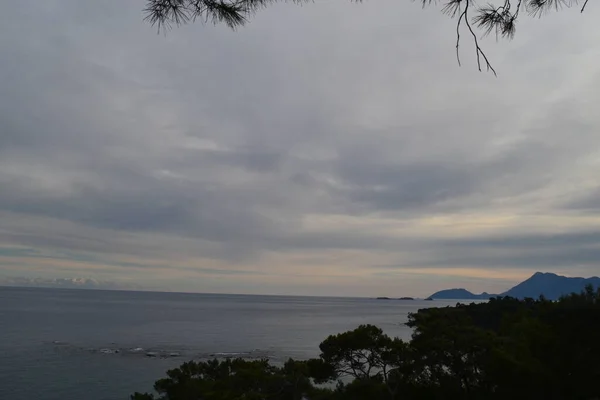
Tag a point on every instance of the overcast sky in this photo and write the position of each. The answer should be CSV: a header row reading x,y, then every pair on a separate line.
x,y
328,149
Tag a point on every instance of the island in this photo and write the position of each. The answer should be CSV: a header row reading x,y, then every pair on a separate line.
x,y
389,298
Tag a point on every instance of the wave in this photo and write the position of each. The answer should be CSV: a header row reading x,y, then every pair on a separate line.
x,y
159,353
136,350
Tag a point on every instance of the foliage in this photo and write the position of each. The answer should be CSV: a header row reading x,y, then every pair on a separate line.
x,y
235,379
501,349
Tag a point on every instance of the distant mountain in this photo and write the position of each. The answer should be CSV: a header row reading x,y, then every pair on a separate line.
x,y
66,283
461,294
549,285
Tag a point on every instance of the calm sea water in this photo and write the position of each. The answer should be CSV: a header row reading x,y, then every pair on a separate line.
x,y
95,345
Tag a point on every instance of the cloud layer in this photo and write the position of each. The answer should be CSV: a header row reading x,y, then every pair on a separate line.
x,y
328,149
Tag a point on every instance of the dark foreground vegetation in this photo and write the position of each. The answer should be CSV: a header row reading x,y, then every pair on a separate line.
x,y
501,349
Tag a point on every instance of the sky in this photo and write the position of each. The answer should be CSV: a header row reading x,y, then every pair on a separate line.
x,y
326,149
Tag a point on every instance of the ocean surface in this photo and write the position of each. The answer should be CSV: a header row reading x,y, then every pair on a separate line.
x,y
61,344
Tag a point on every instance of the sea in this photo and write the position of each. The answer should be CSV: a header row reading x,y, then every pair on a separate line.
x,y
63,344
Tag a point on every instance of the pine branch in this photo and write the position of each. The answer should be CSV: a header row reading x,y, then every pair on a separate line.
x,y
498,19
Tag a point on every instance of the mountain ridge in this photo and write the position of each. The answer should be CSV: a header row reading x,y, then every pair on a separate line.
x,y
546,284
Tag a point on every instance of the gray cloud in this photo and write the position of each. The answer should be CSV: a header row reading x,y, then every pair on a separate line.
x,y
587,202
564,259
529,241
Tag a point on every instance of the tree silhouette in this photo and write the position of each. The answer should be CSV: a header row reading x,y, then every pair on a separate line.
x,y
498,18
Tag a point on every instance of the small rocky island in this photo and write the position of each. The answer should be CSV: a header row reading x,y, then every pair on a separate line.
x,y
400,298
